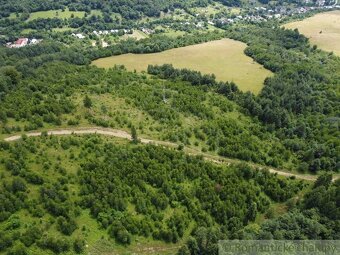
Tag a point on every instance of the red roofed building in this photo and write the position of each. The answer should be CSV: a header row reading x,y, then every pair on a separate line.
x,y
21,42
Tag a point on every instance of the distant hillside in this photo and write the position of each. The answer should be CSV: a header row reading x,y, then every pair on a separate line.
x,y
129,9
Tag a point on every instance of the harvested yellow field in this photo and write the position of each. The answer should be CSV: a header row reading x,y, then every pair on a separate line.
x,y
322,29
224,58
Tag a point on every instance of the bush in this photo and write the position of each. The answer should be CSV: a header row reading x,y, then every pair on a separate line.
x,y
18,249
78,245
30,236
119,232
87,102
66,226
54,244
123,236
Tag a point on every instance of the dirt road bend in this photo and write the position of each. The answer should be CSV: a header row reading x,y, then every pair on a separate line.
x,y
125,135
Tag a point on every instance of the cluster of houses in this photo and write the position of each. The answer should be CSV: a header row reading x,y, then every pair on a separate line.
x,y
103,32
147,31
79,36
112,31
198,25
263,14
22,42
256,14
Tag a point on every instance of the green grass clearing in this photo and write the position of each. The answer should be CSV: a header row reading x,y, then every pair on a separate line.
x,y
235,10
56,14
27,31
138,35
63,29
14,15
96,13
209,10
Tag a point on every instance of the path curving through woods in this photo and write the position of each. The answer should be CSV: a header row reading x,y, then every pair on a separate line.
x,y
125,135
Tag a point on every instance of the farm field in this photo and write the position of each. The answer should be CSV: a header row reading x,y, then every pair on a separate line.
x,y
137,34
55,14
225,58
210,9
322,29
62,29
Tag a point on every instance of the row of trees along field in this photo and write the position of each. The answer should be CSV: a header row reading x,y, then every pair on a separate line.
x,y
46,99
299,104
49,51
55,101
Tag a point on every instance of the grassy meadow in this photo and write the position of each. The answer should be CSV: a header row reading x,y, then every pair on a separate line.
x,y
225,58
137,34
63,29
55,14
210,9
14,15
96,13
322,29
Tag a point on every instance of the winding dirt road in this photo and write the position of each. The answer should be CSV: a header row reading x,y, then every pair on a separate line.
x,y
125,135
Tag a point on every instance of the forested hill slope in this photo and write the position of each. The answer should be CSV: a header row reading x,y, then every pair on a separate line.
x,y
75,195
302,100
129,9
103,195
59,194
298,106
300,103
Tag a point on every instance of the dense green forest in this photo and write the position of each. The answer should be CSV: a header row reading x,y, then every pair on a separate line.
x,y
145,192
301,101
171,111
130,9
299,104
52,188
75,195
317,217
48,184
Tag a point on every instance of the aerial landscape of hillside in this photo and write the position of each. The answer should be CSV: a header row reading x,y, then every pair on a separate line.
x,y
164,127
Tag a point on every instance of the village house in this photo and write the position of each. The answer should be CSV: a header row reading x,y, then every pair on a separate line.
x,y
147,31
79,36
21,42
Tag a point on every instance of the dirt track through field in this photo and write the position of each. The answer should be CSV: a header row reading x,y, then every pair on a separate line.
x,y
125,135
